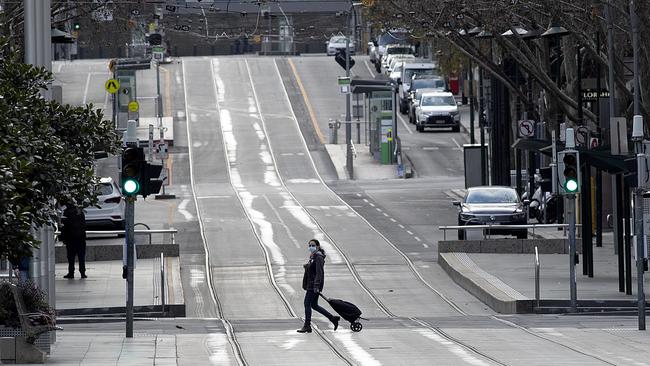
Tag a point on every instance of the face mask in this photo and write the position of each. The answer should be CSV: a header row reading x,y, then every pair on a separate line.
x,y
312,249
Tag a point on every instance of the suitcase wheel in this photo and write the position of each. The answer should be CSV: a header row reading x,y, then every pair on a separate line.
x,y
356,326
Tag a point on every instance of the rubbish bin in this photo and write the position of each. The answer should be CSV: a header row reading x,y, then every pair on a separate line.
x,y
334,131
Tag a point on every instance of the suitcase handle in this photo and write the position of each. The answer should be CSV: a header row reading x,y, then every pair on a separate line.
x,y
323,296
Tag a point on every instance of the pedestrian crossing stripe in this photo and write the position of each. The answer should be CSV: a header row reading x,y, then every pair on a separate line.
x,y
112,86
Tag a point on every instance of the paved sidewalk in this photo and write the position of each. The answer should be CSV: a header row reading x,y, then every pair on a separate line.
x,y
105,287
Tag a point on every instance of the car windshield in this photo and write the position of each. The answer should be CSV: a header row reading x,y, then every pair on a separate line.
x,y
438,101
399,50
427,83
408,73
338,40
393,37
505,195
104,189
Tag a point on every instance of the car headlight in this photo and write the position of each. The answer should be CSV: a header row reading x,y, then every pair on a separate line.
x,y
455,115
466,216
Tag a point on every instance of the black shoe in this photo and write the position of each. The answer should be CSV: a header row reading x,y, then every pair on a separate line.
x,y
83,275
69,275
305,329
335,321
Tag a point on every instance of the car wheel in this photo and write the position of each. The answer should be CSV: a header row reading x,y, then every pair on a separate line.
x,y
419,128
402,108
378,67
455,129
522,234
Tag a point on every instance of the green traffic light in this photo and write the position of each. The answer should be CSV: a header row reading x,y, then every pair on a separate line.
x,y
571,185
131,187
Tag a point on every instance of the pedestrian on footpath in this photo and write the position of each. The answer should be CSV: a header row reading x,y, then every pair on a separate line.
x,y
73,235
312,283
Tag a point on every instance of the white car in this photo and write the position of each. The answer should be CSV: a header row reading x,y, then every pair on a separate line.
x,y
338,43
437,109
110,212
397,71
394,59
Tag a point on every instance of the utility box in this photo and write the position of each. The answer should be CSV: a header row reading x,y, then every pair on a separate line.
x,y
473,167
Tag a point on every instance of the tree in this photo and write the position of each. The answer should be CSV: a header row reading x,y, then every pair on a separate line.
x,y
447,19
46,153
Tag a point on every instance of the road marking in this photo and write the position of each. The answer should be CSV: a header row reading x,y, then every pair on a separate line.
x,y
378,209
368,67
416,238
211,197
310,109
86,89
425,245
286,227
58,69
457,144
404,122
181,209
385,214
358,194
393,220
365,200
431,148
371,204
410,232
400,225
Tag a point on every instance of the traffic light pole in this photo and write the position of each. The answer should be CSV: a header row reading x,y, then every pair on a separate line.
x,y
348,118
130,251
571,218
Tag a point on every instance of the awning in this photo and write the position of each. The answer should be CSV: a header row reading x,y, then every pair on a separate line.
x,y
59,36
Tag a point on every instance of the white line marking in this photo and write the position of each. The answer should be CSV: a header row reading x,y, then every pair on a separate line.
x,y
431,148
286,227
418,239
210,197
365,200
181,208
457,144
393,220
58,69
378,209
371,204
368,67
86,89
358,194
410,232
400,225
404,122
425,245
385,214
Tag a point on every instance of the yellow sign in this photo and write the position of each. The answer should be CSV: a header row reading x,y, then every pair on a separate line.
x,y
134,106
257,39
112,86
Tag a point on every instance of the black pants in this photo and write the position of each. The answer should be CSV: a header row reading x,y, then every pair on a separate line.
x,y
311,302
76,251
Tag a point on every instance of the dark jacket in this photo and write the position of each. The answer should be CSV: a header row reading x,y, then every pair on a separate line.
x,y
73,231
314,276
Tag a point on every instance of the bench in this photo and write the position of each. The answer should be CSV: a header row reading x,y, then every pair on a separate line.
x,y
33,324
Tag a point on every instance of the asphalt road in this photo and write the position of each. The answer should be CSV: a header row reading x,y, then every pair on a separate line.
x,y
253,187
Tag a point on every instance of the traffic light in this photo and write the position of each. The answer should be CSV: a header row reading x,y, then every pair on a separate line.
x,y
340,59
155,39
131,174
150,182
569,171
76,26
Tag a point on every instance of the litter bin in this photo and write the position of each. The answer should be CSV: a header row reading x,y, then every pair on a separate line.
x,y
334,131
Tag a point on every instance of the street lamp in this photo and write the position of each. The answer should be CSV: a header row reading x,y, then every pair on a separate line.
x,y
483,34
348,117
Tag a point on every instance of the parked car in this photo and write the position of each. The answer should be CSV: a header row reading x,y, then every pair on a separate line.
x,y
437,109
395,59
495,205
397,71
415,101
338,43
110,213
410,69
428,82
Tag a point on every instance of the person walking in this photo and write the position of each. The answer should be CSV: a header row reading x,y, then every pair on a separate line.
x,y
312,283
73,235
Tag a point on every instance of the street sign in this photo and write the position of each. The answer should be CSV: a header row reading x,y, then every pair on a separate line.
x,y
526,128
344,84
162,151
582,135
134,106
112,86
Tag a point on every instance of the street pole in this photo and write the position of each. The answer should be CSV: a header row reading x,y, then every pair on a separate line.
x,y
472,139
481,124
637,136
130,243
348,119
571,217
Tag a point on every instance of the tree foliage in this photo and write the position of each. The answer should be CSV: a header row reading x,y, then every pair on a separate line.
x,y
46,152
451,20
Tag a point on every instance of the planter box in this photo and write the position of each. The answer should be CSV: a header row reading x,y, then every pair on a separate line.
x,y
43,342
